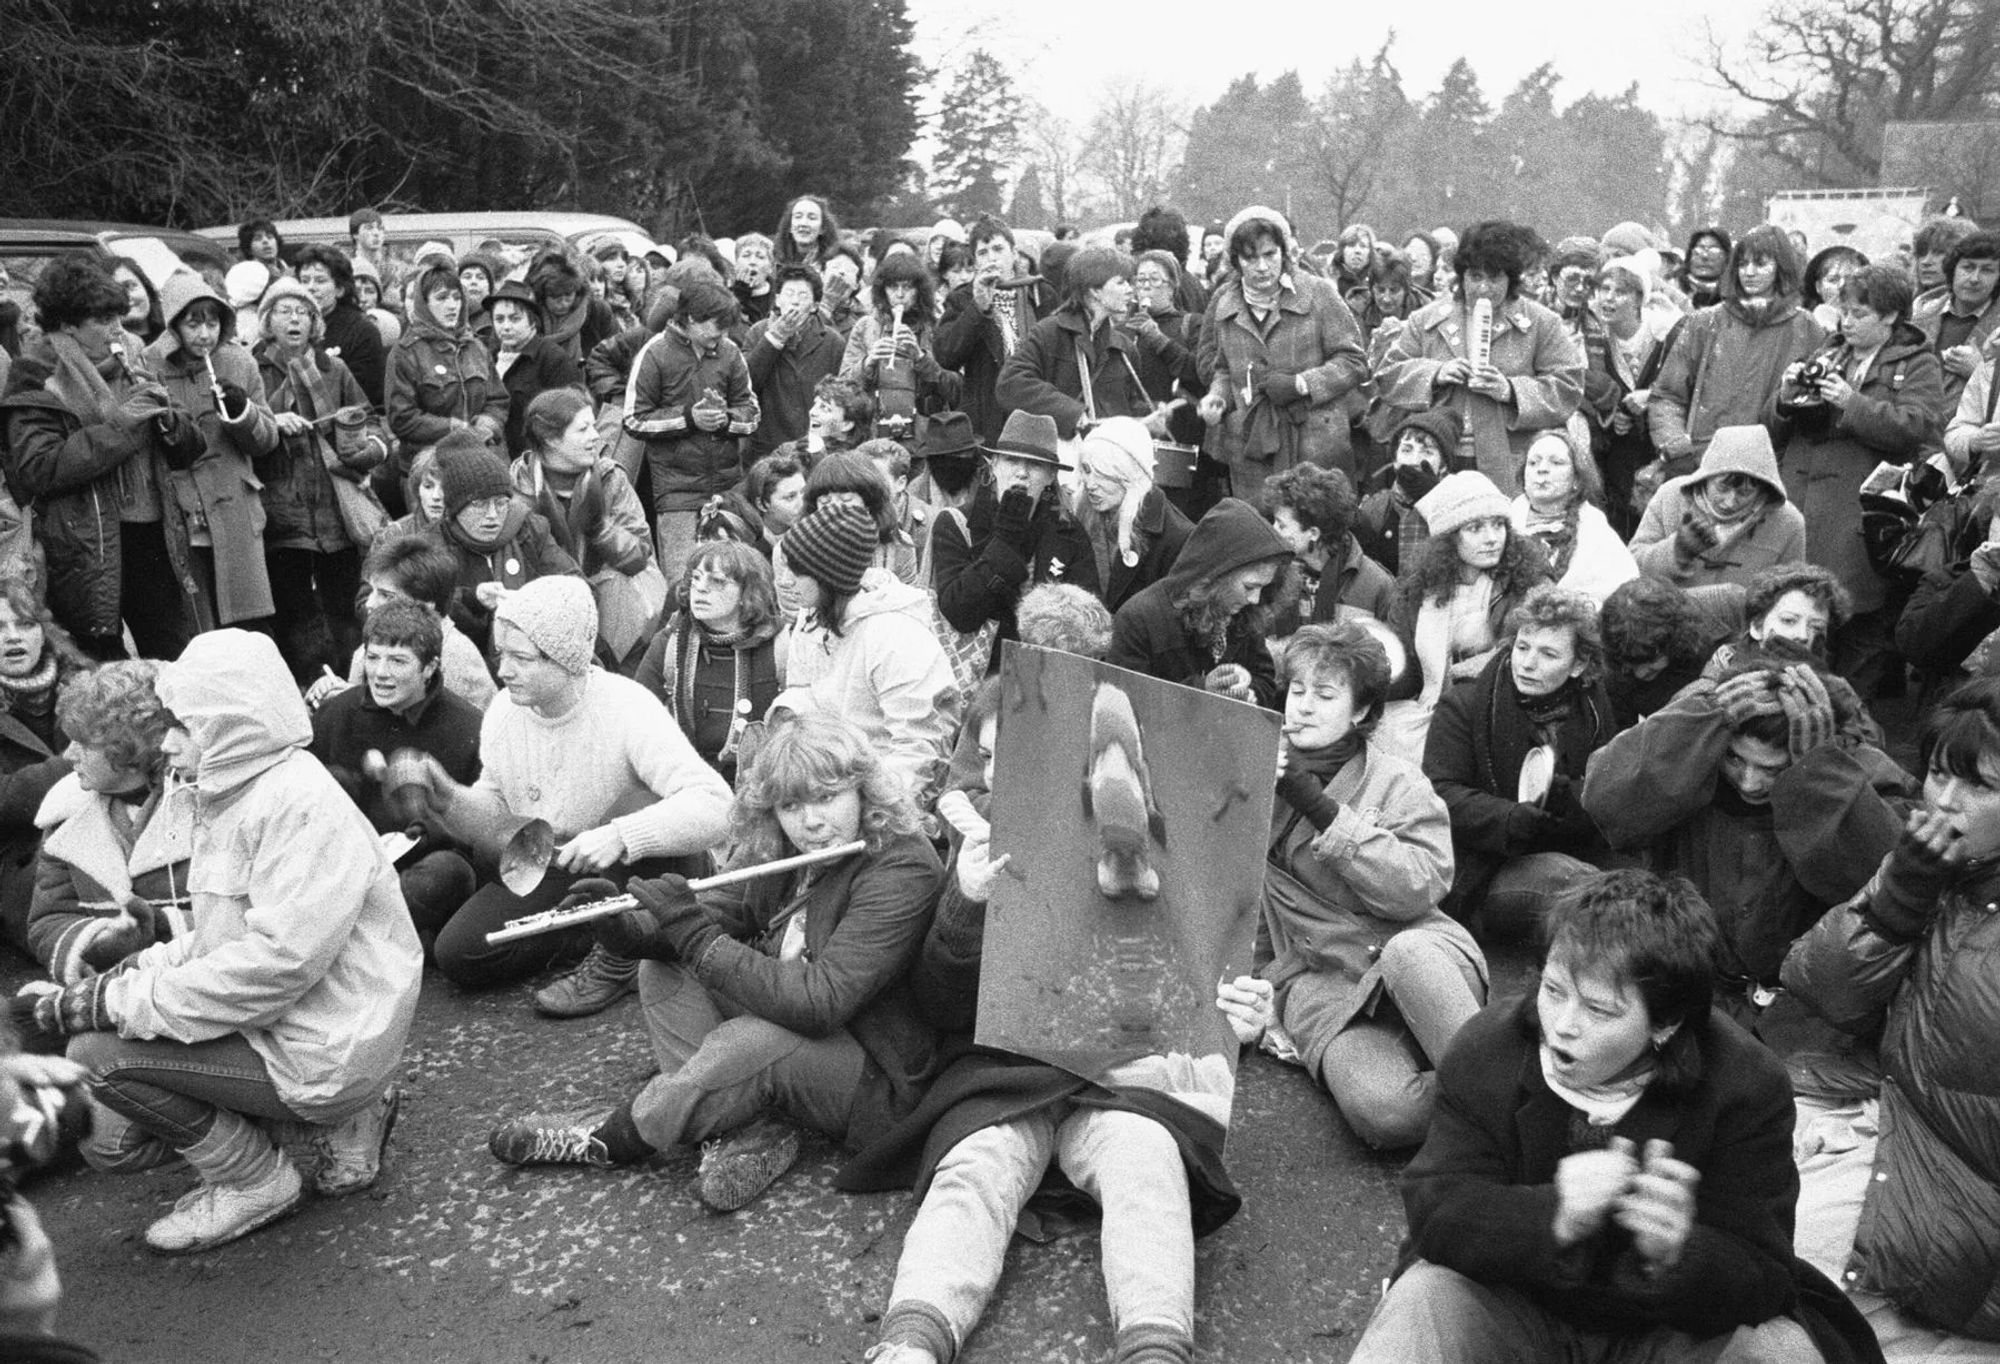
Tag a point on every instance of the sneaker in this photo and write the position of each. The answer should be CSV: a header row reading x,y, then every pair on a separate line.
x,y
545,1139
216,1214
738,1167
599,981
350,1152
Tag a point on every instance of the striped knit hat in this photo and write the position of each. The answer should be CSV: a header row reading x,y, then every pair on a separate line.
x,y
832,545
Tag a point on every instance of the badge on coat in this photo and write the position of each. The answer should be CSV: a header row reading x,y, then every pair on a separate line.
x,y
513,565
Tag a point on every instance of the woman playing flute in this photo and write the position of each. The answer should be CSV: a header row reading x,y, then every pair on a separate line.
x,y
772,1001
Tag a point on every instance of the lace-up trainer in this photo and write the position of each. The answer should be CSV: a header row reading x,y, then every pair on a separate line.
x,y
216,1214
738,1167
599,981
548,1139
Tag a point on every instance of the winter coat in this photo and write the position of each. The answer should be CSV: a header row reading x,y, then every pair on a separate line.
x,y
1919,958
1976,407
1334,898
29,770
535,369
1158,533
985,558
1949,615
1778,537
1893,417
783,377
1044,375
1148,635
1480,1194
689,465
219,497
704,684
437,377
1310,334
886,672
919,384
608,533
1531,346
1769,871
301,507
1599,563
525,549
1723,370
86,870
971,342
353,339
300,940
349,725
1928,317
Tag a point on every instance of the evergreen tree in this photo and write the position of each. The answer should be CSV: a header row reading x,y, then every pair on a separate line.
x,y
1028,210
978,135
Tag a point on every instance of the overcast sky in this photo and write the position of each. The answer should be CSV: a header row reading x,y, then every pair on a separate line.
x,y
1061,50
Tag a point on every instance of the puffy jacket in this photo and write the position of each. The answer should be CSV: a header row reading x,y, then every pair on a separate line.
x,y
1919,957
689,465
1531,346
1894,416
300,940
299,499
1723,370
1310,334
1778,537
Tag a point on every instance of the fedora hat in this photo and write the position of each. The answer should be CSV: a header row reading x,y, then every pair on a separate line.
x,y
1029,435
948,433
517,291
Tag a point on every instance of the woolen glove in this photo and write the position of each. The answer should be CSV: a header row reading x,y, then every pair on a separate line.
x,y
678,914
1746,696
235,402
1808,710
1282,388
1529,827
178,437
1307,794
1695,537
76,1008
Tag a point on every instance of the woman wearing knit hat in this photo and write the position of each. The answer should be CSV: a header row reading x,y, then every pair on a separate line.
x,y
1135,533
866,651
1453,600
596,756
1288,355
315,528
501,543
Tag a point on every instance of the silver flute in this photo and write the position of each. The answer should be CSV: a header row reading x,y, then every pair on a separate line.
x,y
549,920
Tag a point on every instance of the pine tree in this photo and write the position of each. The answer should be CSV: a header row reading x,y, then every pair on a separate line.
x,y
1028,210
977,138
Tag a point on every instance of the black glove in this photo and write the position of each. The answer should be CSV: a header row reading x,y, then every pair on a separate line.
x,y
1530,828
1282,388
677,913
234,401
178,437
1695,538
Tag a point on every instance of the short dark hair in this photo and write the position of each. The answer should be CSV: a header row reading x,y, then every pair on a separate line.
x,y
1884,289
954,256
767,473
75,289
850,471
1761,593
1346,649
1249,233
1092,268
334,261
856,404
905,268
412,625
1161,229
1496,247
793,271
1983,245
1774,244
1645,619
255,228
1656,933
701,301
1963,729
1940,233
554,274
988,226
359,219
421,566
1322,499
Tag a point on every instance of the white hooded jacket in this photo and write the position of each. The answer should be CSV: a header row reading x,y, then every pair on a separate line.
x,y
301,941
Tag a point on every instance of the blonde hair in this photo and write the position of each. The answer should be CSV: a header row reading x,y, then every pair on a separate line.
x,y
809,758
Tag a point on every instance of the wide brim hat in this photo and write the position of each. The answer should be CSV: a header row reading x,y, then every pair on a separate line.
x,y
947,434
1031,436
517,291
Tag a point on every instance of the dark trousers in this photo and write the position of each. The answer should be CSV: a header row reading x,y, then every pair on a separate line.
x,y
315,594
149,598
467,959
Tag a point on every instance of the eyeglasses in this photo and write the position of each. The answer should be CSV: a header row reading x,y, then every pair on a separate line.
x,y
1149,281
291,311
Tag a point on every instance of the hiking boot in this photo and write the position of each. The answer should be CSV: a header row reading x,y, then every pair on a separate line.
x,y
216,1214
547,1139
599,981
738,1167
350,1152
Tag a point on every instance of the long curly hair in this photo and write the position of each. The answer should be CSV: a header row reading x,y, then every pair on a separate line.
x,y
1523,563
809,758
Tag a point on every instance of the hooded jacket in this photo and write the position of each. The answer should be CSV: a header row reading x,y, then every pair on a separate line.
x,y
300,940
1778,537
1894,416
437,376
1148,634
1723,370
886,672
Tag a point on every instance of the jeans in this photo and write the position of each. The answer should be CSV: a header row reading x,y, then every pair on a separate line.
x,y
673,533
720,1067
465,957
1440,1316
173,1089
1380,1066
954,1251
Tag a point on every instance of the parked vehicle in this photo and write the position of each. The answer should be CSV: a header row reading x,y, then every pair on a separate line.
x,y
29,244
520,234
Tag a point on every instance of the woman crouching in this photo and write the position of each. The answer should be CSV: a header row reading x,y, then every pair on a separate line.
x,y
784,993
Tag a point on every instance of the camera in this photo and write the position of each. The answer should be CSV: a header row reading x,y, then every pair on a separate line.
x,y
1810,374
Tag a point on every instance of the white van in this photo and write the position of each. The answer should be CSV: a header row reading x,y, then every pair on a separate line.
x,y
519,234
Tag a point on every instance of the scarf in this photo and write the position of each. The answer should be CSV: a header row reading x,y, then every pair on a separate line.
x,y
34,694
1705,507
1325,762
1439,624
1010,323
86,387
1557,534
1547,714
685,637
1264,300
1602,1105
574,515
567,332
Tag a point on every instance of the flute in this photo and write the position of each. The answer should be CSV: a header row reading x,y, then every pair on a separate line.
x,y
549,920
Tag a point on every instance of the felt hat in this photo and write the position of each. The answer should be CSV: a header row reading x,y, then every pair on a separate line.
x,y
558,615
468,471
1029,435
832,545
948,433
1460,498
517,291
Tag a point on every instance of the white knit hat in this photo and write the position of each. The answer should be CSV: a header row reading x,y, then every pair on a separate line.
x,y
245,283
559,617
1460,498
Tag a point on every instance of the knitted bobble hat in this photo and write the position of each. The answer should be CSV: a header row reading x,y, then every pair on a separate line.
x,y
559,617
469,472
1460,498
833,546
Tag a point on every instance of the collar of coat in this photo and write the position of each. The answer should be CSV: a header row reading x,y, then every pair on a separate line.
x,y
1291,299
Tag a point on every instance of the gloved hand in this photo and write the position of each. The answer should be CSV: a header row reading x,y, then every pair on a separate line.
x,y
140,926
1695,538
1282,388
178,437
234,401
623,933
73,1009
1531,828
678,916
1747,695
1802,695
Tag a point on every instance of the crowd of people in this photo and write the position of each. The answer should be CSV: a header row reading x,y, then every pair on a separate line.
x,y
1639,605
